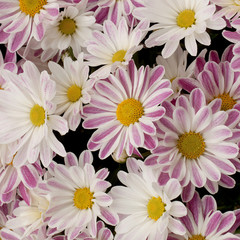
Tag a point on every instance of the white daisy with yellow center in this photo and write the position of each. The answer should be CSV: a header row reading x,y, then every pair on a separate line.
x,y
72,89
147,209
186,19
30,134
78,196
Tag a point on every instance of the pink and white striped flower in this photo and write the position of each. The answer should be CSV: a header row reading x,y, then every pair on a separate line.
x,y
78,196
28,117
147,210
114,47
204,221
124,108
195,145
21,20
173,22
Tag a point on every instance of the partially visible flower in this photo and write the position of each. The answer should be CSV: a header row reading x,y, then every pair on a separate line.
x,y
204,221
72,89
114,47
124,108
30,99
173,22
147,210
22,20
78,197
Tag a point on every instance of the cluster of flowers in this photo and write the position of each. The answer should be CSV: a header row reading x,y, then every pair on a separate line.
x,y
71,65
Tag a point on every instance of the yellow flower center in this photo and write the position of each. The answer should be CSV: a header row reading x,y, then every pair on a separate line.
x,y
74,93
129,111
227,101
186,18
119,56
37,115
155,208
191,145
67,26
197,237
83,198
31,7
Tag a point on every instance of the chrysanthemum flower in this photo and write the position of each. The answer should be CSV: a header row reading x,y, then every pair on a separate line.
x,y
124,108
204,221
21,20
28,117
229,8
114,47
78,197
147,210
115,9
195,144
217,80
72,28
31,217
185,19
72,89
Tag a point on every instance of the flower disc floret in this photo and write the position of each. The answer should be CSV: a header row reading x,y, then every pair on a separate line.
x,y
227,101
31,7
74,93
129,111
119,56
197,237
155,208
83,198
186,18
37,115
191,145
67,26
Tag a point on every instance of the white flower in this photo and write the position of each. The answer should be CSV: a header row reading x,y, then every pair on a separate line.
x,y
176,20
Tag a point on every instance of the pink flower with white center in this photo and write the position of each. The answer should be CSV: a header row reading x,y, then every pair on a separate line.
x,y
146,210
78,196
115,9
173,22
22,19
195,145
114,47
124,108
28,117
216,80
204,221
72,89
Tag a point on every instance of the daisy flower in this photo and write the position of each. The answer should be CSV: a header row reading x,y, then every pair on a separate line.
x,y
147,210
230,9
72,89
195,145
21,20
124,108
217,80
114,9
185,19
30,99
204,221
114,47
78,197
32,216
72,28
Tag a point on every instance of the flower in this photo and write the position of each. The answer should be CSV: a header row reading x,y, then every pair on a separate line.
x,y
72,89
147,210
204,221
30,134
21,20
114,47
195,144
72,28
78,196
186,20
124,108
